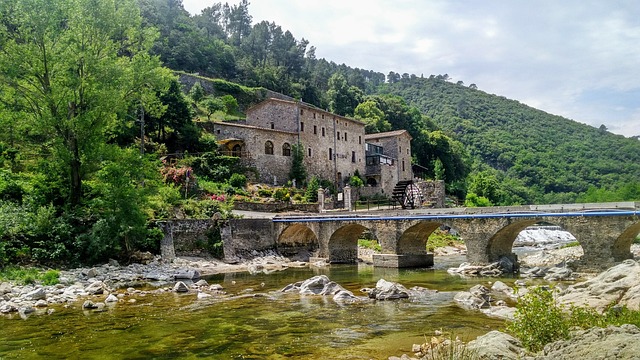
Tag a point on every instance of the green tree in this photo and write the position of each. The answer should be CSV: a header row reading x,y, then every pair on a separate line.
x,y
197,92
311,194
212,105
74,66
439,170
298,171
372,116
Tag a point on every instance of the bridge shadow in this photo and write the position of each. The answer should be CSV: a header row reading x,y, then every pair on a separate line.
x,y
297,242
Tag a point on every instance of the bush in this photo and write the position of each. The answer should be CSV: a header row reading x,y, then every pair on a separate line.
x,y
281,194
265,192
538,319
440,238
238,180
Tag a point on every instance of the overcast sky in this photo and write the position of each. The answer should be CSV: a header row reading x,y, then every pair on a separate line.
x,y
576,58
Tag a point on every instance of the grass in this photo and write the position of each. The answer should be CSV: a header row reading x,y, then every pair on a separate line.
x,y
25,276
569,245
440,238
369,244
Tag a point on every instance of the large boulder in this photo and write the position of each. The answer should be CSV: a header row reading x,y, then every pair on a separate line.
x,y
386,290
496,345
321,285
617,285
612,342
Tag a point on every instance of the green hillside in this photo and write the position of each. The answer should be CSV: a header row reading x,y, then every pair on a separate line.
x,y
536,156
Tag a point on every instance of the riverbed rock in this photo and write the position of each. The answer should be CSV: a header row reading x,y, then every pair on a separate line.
x,y
37,294
493,269
188,274
89,305
201,283
496,345
96,288
321,285
617,285
5,288
387,290
469,301
500,311
180,287
8,307
111,298
500,287
613,342
559,274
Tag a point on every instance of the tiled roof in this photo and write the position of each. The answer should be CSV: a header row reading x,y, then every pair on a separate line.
x,y
386,134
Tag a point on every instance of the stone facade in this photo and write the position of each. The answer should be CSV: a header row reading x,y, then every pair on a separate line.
x,y
333,145
388,159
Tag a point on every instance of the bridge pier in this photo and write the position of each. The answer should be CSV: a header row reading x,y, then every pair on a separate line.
x,y
402,261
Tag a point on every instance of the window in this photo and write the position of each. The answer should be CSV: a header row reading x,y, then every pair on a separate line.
x,y
314,115
286,149
338,135
402,165
359,139
322,131
323,116
218,131
301,126
345,136
309,152
315,130
353,156
301,112
273,126
268,148
330,154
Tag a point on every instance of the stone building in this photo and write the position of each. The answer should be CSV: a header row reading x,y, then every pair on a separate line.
x,y
388,159
333,145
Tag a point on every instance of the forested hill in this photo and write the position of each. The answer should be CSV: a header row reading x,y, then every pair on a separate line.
x,y
536,156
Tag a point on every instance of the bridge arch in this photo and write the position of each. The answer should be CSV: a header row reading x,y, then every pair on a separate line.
x,y
297,240
622,246
343,243
414,239
501,243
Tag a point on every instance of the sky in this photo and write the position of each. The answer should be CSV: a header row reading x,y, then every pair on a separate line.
x,y
575,58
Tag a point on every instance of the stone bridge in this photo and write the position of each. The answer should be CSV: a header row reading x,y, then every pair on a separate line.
x,y
605,235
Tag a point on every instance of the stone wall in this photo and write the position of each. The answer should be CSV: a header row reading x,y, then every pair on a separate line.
x,y
433,193
273,168
243,238
274,207
185,237
333,145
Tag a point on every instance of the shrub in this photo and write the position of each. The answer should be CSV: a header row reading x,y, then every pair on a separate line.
x,y
370,244
265,192
538,319
281,194
440,238
238,180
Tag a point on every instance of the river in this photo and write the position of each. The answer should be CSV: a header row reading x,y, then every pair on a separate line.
x,y
272,325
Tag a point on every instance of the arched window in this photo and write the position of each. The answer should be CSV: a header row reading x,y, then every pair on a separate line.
x,y
268,148
286,149
236,151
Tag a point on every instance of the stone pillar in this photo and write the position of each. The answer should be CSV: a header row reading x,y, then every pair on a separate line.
x,y
321,200
167,250
347,198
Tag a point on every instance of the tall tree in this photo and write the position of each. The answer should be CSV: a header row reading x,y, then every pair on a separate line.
x,y
74,66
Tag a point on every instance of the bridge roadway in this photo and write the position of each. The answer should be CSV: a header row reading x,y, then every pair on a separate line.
x,y
604,230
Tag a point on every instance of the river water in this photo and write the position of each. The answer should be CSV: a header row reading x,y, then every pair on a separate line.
x,y
272,325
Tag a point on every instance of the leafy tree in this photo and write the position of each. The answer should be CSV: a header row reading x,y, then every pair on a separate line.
x,y
73,67
212,105
373,117
197,92
439,170
311,194
230,104
298,171
343,98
